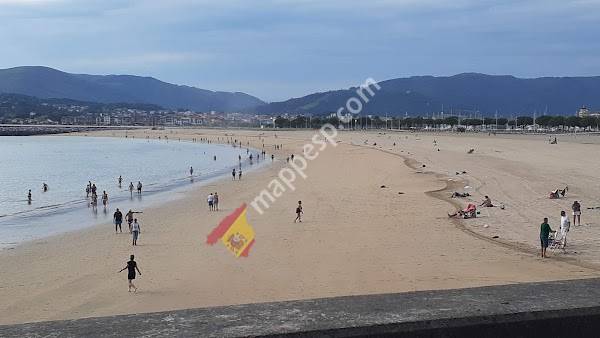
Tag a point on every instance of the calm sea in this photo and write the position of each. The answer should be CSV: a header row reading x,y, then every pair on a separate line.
x,y
67,163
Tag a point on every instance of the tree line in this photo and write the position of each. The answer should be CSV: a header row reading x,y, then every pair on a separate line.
x,y
546,121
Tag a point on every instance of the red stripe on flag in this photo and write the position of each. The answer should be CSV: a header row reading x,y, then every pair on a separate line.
x,y
225,224
247,250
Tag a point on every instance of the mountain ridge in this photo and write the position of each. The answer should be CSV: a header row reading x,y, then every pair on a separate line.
x,y
463,93
46,82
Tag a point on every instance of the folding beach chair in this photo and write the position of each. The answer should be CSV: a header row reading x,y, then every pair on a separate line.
x,y
554,242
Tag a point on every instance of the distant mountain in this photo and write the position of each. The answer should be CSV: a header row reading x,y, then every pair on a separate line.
x,y
465,93
43,82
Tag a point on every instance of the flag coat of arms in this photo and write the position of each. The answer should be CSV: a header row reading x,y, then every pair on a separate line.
x,y
234,232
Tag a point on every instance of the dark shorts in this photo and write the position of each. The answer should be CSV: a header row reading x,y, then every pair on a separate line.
x,y
544,242
210,203
131,276
117,222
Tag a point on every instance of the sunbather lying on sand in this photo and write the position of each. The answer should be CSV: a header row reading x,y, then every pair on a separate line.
x,y
558,193
469,212
460,194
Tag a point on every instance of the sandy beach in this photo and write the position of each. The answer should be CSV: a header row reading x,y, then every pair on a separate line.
x,y
356,237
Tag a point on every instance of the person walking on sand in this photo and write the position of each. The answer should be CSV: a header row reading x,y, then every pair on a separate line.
x,y
131,267
211,200
139,188
118,218
129,217
565,226
240,174
545,231
299,212
131,188
216,201
233,173
576,212
135,231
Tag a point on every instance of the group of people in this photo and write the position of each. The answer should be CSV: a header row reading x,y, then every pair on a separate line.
x,y
134,225
139,188
545,230
91,189
565,227
30,196
239,174
213,201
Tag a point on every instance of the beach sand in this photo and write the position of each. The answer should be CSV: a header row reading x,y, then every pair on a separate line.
x,y
356,237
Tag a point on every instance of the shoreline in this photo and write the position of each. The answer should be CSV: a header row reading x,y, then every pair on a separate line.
x,y
357,238
157,195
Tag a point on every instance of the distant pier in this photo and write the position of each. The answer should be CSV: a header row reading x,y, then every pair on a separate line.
x,y
30,129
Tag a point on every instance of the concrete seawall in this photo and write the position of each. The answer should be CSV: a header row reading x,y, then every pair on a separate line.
x,y
551,309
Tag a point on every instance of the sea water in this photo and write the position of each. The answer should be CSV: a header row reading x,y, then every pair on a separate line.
x,y
67,163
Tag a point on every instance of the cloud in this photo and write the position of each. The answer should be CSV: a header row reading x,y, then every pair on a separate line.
x,y
277,48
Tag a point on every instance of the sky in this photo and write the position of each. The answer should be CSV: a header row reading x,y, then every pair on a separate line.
x,y
277,49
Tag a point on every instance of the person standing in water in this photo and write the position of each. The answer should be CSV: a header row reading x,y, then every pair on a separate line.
x,y
118,218
45,187
299,212
120,179
131,188
139,187
104,199
87,191
29,197
135,231
131,267
233,173
191,171
240,174
94,201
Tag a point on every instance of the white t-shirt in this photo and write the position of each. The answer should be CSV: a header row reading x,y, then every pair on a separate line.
x,y
210,198
135,227
565,224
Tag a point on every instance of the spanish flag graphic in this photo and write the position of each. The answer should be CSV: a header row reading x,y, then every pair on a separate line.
x,y
235,233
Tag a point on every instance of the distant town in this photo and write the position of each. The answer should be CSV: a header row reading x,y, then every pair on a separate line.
x,y
23,110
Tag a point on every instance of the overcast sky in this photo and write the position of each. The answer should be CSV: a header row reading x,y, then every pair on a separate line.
x,y
280,49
